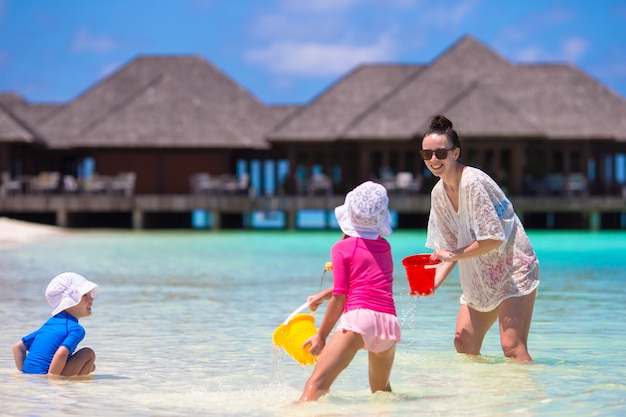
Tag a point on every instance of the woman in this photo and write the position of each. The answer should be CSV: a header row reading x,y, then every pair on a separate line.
x,y
472,223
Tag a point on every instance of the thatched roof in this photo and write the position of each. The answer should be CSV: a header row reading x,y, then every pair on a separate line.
x,y
335,110
18,117
481,92
163,101
184,101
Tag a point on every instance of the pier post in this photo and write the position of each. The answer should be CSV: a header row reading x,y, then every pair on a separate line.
x,y
291,219
217,219
61,218
595,221
137,219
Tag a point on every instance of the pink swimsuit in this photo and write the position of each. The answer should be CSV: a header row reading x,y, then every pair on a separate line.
x,y
363,272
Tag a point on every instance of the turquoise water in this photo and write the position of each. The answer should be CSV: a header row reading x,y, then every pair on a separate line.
x,y
183,321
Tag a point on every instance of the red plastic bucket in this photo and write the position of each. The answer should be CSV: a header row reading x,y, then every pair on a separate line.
x,y
421,279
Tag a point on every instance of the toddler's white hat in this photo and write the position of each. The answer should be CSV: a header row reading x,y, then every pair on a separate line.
x,y
66,290
365,213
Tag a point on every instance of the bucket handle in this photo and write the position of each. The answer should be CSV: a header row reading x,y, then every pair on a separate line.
x,y
434,265
296,311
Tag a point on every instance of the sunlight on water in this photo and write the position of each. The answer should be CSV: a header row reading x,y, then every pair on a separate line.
x,y
183,323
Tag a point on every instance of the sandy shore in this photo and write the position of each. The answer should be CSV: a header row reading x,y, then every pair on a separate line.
x,y
16,232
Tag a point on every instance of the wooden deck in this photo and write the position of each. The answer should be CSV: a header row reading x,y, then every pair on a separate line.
x,y
64,207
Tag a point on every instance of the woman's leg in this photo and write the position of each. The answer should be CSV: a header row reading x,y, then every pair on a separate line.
x,y
380,365
335,357
471,327
82,362
515,316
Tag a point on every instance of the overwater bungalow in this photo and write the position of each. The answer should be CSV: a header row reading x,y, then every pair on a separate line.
x,y
166,136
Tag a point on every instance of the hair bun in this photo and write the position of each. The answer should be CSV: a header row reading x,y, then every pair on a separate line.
x,y
440,123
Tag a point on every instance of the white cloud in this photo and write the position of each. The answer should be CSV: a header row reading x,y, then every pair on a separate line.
x,y
571,50
530,53
277,26
318,6
85,41
574,48
317,59
445,16
340,6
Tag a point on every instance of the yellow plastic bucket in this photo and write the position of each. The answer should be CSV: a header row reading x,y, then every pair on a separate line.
x,y
291,336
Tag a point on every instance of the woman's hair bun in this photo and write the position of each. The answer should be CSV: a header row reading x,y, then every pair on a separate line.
x,y
440,123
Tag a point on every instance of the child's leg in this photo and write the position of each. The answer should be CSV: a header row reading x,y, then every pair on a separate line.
x,y
82,362
335,357
380,369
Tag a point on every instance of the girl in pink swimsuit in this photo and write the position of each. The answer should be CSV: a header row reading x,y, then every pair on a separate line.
x,y
361,296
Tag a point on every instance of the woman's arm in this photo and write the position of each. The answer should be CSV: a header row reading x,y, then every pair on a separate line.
x,y
476,248
19,354
442,272
58,361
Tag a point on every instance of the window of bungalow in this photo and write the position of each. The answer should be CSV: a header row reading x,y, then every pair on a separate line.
x,y
318,160
255,176
376,160
87,167
242,167
504,172
282,173
591,170
349,174
394,161
490,163
302,169
269,179
470,156
335,164
608,169
410,161
620,168
575,162
557,162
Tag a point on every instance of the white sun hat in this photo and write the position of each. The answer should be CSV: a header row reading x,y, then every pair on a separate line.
x,y
365,213
66,290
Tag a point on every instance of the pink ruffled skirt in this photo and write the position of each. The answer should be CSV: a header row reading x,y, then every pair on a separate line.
x,y
380,331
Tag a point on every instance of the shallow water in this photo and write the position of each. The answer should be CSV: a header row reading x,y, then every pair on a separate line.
x,y
183,321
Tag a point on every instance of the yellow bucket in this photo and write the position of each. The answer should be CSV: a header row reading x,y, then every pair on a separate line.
x,y
291,336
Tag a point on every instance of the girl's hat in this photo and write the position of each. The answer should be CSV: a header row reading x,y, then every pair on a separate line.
x,y
365,213
66,290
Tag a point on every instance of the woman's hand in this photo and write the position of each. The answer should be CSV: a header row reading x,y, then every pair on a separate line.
x,y
443,254
315,344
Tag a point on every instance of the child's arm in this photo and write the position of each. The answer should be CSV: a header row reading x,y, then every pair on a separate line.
x,y
19,354
58,361
333,312
316,300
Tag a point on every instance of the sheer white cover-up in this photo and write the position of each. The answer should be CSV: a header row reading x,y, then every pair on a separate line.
x,y
484,212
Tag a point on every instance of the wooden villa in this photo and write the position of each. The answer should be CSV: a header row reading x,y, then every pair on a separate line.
x,y
166,135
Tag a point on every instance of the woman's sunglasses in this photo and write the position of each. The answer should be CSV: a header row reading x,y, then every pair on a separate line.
x,y
439,153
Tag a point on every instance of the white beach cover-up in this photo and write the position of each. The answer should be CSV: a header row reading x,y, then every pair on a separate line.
x,y
484,212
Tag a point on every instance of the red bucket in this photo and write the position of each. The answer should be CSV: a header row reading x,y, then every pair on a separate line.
x,y
421,279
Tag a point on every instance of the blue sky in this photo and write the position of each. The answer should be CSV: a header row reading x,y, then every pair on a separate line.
x,y
289,51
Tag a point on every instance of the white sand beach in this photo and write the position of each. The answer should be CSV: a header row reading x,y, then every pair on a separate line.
x,y
17,232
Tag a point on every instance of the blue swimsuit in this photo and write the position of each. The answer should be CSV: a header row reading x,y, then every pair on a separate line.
x,y
60,330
